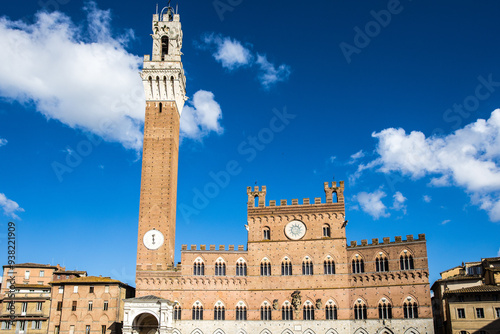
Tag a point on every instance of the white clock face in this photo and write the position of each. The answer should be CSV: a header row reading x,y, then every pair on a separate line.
x,y
153,239
295,230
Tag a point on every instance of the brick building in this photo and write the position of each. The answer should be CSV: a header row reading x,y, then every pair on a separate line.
x,y
31,297
90,305
467,299
297,274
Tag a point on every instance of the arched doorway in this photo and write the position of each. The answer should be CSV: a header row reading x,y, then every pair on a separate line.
x,y
145,323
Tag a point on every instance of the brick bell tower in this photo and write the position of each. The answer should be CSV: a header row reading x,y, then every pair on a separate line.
x,y
165,88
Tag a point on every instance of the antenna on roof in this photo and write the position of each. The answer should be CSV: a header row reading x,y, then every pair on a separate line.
x,y
156,8
177,9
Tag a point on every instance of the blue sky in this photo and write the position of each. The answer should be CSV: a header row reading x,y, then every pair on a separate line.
x,y
395,98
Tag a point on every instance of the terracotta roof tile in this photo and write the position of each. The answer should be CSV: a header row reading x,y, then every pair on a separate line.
x,y
87,279
31,265
460,277
476,289
32,286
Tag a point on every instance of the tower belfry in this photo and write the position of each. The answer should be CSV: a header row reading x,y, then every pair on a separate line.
x,y
165,90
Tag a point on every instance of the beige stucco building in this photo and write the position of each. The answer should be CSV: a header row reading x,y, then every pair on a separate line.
x,y
297,273
467,299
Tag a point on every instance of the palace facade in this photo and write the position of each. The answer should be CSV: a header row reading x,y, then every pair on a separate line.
x,y
297,273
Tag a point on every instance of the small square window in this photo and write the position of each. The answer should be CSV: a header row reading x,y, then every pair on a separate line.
x,y
106,305
90,306
59,306
27,274
73,307
39,306
480,313
42,273
106,289
87,329
103,329
61,289
91,289
57,329
461,313
75,289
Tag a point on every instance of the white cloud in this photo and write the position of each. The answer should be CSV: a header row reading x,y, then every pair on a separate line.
x,y
79,75
332,159
468,158
427,198
371,203
201,116
270,74
229,52
232,55
3,142
446,221
398,202
9,207
356,156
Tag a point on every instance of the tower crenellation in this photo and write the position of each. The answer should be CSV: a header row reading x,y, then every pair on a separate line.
x,y
163,75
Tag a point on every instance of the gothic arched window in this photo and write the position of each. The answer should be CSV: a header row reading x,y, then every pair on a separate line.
x,y
384,309
219,312
406,261
266,233
358,265
286,267
326,231
198,267
241,311
241,267
360,310
286,311
177,312
307,266
220,267
197,311
410,308
265,312
308,311
265,267
329,266
381,263
330,310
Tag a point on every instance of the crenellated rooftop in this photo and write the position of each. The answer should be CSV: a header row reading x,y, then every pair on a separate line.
x,y
212,248
386,241
259,193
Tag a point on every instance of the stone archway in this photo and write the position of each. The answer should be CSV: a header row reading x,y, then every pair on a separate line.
x,y
145,323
